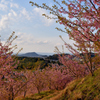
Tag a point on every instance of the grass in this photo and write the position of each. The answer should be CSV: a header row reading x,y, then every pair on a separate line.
x,y
87,88
36,96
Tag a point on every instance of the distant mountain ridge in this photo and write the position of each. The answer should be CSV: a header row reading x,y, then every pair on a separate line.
x,y
31,54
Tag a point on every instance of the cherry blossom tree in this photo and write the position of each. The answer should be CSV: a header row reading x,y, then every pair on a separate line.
x,y
10,80
81,19
54,78
50,78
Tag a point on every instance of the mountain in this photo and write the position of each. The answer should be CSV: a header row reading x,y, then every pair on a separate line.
x,y
31,54
34,54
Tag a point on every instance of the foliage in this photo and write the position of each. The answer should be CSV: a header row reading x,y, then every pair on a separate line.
x,y
50,78
37,96
53,57
83,26
87,88
81,20
11,81
73,67
31,63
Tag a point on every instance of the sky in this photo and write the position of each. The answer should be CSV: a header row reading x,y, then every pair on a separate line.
x,y
35,32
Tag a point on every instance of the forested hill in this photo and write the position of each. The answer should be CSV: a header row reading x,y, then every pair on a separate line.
x,y
31,54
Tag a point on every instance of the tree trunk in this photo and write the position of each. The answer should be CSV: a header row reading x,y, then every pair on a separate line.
x,y
24,94
11,94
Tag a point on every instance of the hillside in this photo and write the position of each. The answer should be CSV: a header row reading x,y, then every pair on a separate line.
x,y
87,88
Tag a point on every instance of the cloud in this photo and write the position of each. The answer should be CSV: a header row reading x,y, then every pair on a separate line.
x,y
14,5
5,2
42,42
17,18
3,7
30,43
24,38
14,13
2,1
11,14
58,44
8,19
25,13
47,22
29,39
8,15
4,22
